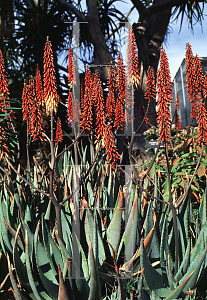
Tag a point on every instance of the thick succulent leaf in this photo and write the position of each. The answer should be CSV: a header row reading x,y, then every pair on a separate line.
x,y
129,236
29,271
176,292
195,265
114,230
3,227
95,289
184,265
47,214
201,241
203,209
51,248
164,248
153,279
80,279
13,233
62,293
21,271
67,234
133,261
46,274
96,239
18,295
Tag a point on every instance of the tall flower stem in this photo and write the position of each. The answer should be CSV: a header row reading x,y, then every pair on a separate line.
x,y
27,148
173,211
54,201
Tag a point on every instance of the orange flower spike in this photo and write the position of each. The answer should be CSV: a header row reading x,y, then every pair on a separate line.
x,y
99,108
88,101
3,84
70,104
71,68
59,132
150,93
111,150
177,119
202,123
119,114
164,93
36,123
3,146
25,102
190,70
50,86
112,85
132,59
39,88
31,103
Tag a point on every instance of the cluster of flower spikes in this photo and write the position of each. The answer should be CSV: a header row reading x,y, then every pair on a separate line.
x,y
177,119
31,107
50,85
132,59
164,98
194,78
119,113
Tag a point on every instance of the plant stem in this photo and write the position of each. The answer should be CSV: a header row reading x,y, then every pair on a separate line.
x,y
173,212
54,201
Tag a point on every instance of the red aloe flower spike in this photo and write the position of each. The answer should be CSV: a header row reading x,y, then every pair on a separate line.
x,y
50,86
111,150
164,93
119,117
70,105
177,102
82,96
31,103
59,132
39,88
205,89
177,119
25,102
99,110
3,85
150,93
110,102
36,123
132,60
194,78
119,114
202,123
3,146
71,68
76,111
88,101
143,115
